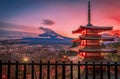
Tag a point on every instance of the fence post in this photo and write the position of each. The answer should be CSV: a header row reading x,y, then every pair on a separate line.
x,y
24,77
116,72
16,69
56,69
86,70
63,70
108,69
71,70
40,71
32,69
79,74
48,70
101,70
94,70
8,72
0,69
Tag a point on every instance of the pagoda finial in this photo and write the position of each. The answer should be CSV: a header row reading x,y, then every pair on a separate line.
x,y
89,14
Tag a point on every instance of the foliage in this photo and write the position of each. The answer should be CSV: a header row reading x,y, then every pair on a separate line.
x,y
75,44
114,56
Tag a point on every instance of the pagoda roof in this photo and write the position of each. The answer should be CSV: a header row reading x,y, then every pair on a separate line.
x,y
81,28
97,50
96,38
92,50
76,40
75,49
97,27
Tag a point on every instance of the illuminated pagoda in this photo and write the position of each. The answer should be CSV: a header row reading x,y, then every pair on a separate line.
x,y
90,40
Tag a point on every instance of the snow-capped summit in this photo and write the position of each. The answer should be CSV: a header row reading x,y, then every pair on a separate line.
x,y
48,33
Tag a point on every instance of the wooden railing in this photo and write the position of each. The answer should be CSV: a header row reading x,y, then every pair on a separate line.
x,y
59,70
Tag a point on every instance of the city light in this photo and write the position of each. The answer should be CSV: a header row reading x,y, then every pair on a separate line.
x,y
84,53
101,41
25,59
64,56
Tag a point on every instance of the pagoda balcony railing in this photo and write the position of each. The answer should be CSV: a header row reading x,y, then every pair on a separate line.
x,y
91,44
59,70
92,34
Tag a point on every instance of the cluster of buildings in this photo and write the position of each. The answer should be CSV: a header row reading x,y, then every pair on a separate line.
x,y
19,52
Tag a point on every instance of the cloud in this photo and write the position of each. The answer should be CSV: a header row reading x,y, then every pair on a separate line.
x,y
4,25
17,27
48,22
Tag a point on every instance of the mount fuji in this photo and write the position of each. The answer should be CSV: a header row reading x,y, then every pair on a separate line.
x,y
47,36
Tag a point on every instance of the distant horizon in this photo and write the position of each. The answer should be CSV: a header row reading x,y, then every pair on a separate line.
x,y
61,16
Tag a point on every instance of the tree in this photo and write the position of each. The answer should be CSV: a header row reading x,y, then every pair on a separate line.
x,y
75,44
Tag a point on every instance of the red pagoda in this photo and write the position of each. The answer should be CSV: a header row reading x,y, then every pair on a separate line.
x,y
90,40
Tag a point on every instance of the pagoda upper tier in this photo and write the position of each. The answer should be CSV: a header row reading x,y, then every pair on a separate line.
x,y
99,28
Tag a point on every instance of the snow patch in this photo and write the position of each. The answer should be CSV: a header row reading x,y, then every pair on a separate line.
x,y
45,37
60,37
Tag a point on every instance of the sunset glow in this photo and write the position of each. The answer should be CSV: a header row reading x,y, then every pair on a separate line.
x,y
62,16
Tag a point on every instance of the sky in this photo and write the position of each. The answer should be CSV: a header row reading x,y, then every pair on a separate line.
x,y
62,16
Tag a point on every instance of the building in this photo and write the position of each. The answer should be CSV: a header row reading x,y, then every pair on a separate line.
x,y
90,40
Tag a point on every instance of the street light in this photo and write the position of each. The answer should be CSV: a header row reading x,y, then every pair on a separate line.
x,y
101,41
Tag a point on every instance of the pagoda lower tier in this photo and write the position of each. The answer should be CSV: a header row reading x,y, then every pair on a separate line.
x,y
97,50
